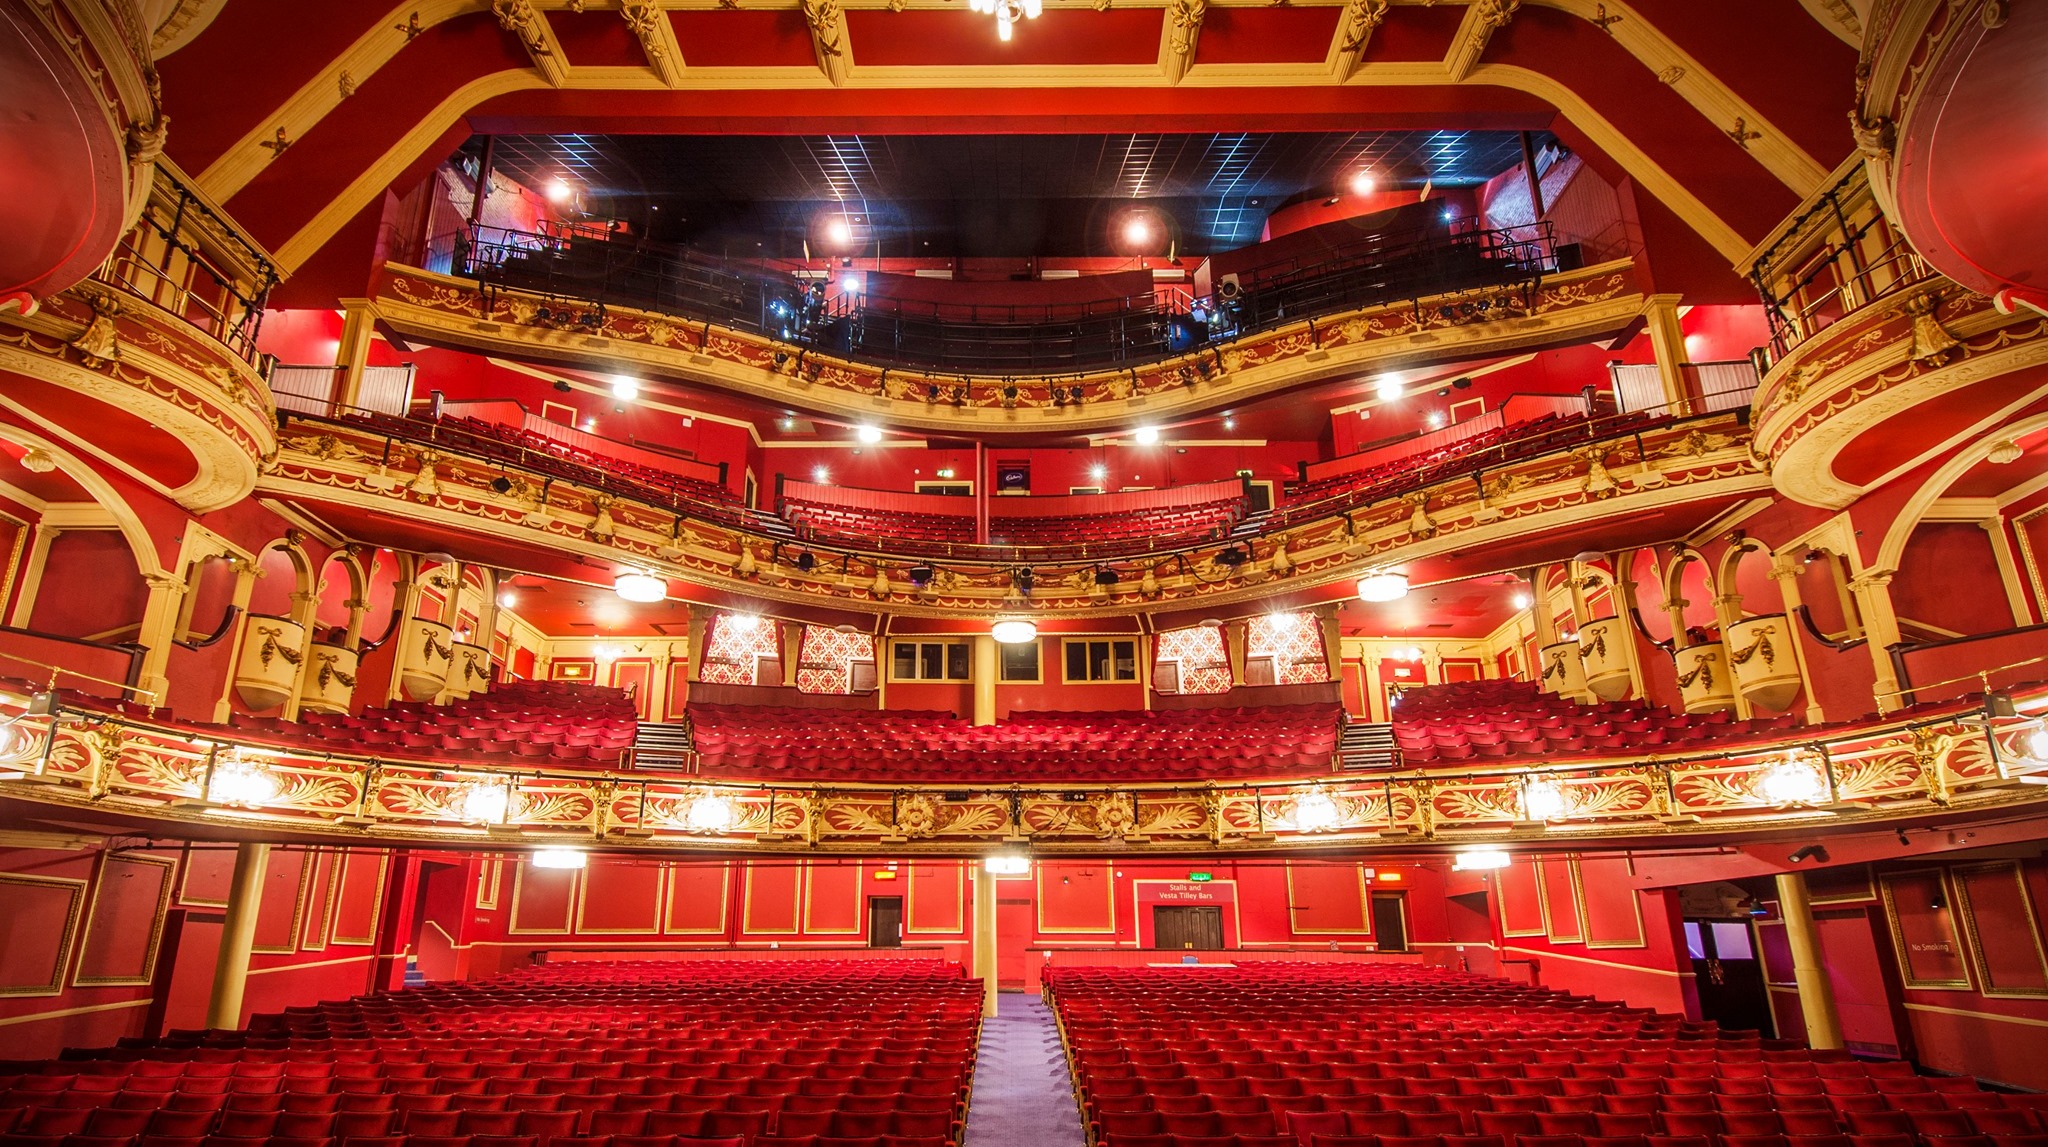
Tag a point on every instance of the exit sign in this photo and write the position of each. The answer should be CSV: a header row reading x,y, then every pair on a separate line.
x,y
1200,877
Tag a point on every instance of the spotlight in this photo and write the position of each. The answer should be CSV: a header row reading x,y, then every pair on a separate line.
x,y
839,231
1138,232
1145,435
501,484
1388,388
1815,852
1230,556
1098,472
807,561
1902,838
1229,422
1362,183
625,389
921,575
507,599
1021,580
868,434
782,359
850,284
1105,576
820,475
563,386
560,192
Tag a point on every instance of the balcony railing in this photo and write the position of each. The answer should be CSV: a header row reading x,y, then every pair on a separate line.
x,y
190,260
1370,269
1838,256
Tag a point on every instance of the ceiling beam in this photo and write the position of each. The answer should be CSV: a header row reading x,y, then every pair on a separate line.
x,y
1482,19
1354,33
523,20
657,38
1180,32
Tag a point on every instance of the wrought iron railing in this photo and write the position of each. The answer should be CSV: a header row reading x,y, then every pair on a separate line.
x,y
1370,269
1835,258
191,261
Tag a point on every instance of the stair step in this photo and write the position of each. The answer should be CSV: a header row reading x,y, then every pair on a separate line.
x,y
1368,745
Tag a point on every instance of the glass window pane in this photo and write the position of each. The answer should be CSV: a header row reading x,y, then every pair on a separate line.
x,y
906,661
1098,661
1020,661
931,662
1077,661
956,662
1731,940
1126,661
1694,945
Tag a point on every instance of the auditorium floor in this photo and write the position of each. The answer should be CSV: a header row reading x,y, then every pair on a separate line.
x,y
1023,1095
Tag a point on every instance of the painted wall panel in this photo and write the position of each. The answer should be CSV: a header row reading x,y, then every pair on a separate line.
x,y
287,882
621,896
37,932
1613,908
1075,898
1519,900
126,920
698,899
772,903
1327,898
1560,901
358,897
935,898
543,900
832,900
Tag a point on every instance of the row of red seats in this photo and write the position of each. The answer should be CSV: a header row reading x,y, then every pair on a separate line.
x,y
560,1055
1468,721
1416,1057
521,722
925,746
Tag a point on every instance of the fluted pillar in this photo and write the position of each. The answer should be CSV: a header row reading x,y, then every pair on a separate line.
x,y
984,680
985,936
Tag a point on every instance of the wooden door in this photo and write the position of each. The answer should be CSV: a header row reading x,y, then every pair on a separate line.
x,y
1187,927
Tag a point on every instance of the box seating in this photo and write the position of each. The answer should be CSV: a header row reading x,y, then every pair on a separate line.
x,y
532,723
1332,492
935,747
1340,1055
909,531
554,458
872,1053
1477,721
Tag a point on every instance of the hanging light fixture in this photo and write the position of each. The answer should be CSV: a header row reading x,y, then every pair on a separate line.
x,y
1314,811
709,813
636,586
1794,779
1542,799
1008,12
237,780
1381,587
1014,631
483,802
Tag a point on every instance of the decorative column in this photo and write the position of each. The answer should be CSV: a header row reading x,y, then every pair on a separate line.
x,y
700,620
237,936
246,573
1674,609
1234,637
159,629
1147,649
1785,572
1541,618
1333,641
985,935
1872,589
792,634
1667,342
1728,611
353,355
985,681
305,611
1816,994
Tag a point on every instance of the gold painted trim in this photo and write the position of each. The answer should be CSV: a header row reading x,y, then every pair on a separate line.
x,y
1967,911
307,937
490,882
1364,906
334,936
66,941
959,927
314,964
660,905
1868,895
186,899
1905,958
747,906
859,901
61,1013
156,920
1038,904
668,920
569,915
297,928
1500,898
12,571
1543,901
1546,954
1975,1015
1635,902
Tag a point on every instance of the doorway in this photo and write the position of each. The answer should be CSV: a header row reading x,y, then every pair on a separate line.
x,y
1729,975
885,921
1390,921
1187,927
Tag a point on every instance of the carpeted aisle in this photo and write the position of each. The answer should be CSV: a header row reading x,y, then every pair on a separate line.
x,y
1023,1096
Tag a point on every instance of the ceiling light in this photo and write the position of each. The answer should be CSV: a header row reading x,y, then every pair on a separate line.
x,y
1314,811
1383,587
239,781
559,191
1284,622
559,858
625,389
1138,232
1388,387
1480,860
1098,472
1542,799
1521,601
868,434
1145,435
850,284
1014,632
1362,183
743,622
640,587
1229,422
507,599
1006,864
820,475
838,230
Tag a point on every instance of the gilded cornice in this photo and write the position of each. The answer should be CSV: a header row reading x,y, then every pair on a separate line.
x,y
1569,307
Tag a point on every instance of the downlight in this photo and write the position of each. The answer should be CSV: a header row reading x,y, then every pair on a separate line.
x,y
1480,860
560,858
1007,864
640,587
1381,587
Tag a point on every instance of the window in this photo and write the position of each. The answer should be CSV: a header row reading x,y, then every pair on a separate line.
x,y
950,489
929,661
1095,661
1020,663
1084,489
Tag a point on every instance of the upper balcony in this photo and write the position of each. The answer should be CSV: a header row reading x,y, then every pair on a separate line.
x,y
1267,320
1877,362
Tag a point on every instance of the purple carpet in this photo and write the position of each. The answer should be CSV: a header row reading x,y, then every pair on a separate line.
x,y
1023,1094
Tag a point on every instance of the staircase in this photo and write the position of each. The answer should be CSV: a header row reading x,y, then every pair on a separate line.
x,y
1367,746
662,746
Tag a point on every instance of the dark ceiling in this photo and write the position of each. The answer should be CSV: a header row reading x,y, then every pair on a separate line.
x,y
979,196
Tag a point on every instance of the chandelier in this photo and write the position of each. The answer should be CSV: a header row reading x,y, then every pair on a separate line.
x,y
1008,12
